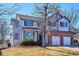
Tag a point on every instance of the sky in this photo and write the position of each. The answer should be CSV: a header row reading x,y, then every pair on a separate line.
x,y
27,8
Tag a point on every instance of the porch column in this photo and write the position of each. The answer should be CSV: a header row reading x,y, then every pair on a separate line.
x,y
46,41
22,35
35,36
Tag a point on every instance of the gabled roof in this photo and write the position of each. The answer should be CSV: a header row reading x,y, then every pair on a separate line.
x,y
57,17
63,17
26,17
14,19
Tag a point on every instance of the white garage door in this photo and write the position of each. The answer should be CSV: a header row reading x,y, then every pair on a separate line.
x,y
67,40
55,40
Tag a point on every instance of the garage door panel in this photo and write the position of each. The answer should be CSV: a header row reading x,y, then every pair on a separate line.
x,y
55,40
66,40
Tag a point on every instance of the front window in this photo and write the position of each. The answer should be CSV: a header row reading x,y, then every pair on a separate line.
x,y
63,24
29,35
28,23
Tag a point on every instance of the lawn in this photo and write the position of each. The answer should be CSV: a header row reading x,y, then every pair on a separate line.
x,y
39,51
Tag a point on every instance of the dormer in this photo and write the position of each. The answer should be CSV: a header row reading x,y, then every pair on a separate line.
x,y
63,24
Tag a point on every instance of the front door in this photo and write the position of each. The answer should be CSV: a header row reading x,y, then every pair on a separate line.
x,y
40,39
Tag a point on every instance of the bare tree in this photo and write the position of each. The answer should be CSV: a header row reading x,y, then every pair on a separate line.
x,y
4,21
4,30
9,11
47,9
71,14
40,9
44,11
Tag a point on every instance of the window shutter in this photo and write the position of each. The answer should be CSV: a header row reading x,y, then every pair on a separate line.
x,y
54,24
66,24
24,23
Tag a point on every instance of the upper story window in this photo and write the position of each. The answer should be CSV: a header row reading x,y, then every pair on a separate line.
x,y
52,24
63,24
28,23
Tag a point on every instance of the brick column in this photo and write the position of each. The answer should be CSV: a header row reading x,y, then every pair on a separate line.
x,y
61,40
49,40
71,40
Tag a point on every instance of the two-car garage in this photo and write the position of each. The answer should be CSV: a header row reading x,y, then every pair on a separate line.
x,y
57,40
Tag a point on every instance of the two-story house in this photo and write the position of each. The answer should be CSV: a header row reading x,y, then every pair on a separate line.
x,y
58,29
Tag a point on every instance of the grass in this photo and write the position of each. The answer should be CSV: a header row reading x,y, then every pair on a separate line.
x,y
39,51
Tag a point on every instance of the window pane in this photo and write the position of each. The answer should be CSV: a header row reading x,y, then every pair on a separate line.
x,y
24,23
28,23
63,24
29,35
66,24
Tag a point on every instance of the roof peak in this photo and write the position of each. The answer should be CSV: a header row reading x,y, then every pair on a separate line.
x,y
27,15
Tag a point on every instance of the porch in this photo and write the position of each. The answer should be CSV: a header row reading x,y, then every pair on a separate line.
x,y
31,34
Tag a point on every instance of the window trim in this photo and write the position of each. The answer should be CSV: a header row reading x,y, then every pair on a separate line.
x,y
63,24
27,35
28,23
52,24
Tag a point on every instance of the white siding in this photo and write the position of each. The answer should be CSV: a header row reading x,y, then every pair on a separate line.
x,y
16,30
34,24
22,23
46,41
63,28
35,36
21,31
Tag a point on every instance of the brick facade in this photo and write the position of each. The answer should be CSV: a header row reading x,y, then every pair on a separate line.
x,y
61,35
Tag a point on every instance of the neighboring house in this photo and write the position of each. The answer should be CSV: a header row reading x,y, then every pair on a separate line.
x,y
58,29
4,45
76,37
